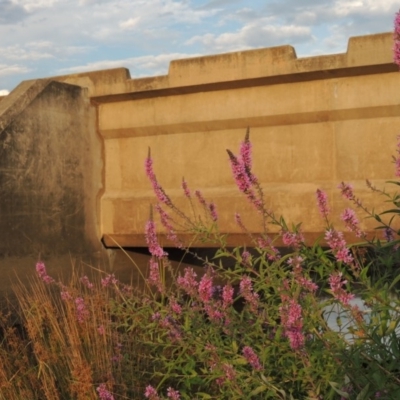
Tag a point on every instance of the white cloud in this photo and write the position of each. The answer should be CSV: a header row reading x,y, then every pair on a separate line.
x,y
345,8
130,23
138,66
4,92
261,33
31,5
13,69
18,53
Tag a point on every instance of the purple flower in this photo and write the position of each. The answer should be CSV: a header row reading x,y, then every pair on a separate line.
x,y
82,313
65,295
292,321
350,219
396,38
338,245
251,358
152,242
42,274
244,180
188,282
109,280
336,283
227,296
397,158
292,239
347,191
165,221
173,394
322,201
104,394
151,393
185,188
85,281
206,288
154,277
158,190
213,211
388,234
246,290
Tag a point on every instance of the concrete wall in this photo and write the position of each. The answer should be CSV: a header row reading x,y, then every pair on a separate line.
x,y
314,122
73,147
50,177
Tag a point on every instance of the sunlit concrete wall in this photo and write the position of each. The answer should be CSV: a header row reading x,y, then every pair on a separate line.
x,y
314,122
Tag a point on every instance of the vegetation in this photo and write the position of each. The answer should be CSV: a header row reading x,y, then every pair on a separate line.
x,y
261,329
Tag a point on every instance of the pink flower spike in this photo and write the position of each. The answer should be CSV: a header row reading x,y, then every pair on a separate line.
x,y
188,282
152,242
86,282
185,188
82,313
151,393
246,290
158,190
245,151
397,158
336,282
251,358
213,211
206,288
227,296
350,219
338,245
42,273
104,394
155,278
396,37
173,394
322,200
346,191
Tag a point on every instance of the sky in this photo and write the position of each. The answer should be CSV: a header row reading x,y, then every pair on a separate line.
x,y
43,38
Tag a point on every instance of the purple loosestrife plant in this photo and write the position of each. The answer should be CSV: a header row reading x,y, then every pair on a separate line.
x,y
151,393
350,219
396,37
42,273
252,358
104,394
198,329
173,394
152,242
322,201
336,284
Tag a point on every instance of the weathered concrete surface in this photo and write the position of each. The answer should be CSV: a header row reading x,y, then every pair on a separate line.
x,y
314,122
50,179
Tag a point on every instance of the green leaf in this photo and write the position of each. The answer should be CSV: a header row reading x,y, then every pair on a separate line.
x,y
234,346
335,387
362,395
395,280
203,395
258,390
393,210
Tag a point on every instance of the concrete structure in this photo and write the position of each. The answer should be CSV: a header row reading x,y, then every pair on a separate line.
x,y
73,147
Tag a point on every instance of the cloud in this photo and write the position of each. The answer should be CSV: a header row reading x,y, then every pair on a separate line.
x,y
31,5
130,23
4,92
10,12
138,66
12,69
261,33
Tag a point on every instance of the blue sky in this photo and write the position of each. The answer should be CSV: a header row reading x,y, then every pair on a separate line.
x,y
41,38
